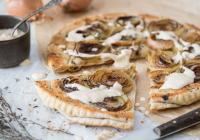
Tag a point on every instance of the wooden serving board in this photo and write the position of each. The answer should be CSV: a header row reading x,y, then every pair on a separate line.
x,y
180,10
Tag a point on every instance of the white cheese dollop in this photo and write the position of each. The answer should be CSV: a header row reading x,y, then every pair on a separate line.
x,y
118,36
121,60
178,80
187,55
167,35
94,95
78,54
74,36
194,52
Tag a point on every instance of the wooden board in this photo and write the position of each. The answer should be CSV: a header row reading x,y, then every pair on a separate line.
x,y
181,10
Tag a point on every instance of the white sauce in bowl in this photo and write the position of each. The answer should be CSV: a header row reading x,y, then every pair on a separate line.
x,y
5,34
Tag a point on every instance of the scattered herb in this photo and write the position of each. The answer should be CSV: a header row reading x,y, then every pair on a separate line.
x,y
17,79
6,88
27,78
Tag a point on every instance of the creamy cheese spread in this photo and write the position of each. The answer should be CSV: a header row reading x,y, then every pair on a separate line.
x,y
118,36
178,80
94,95
74,36
78,54
167,35
190,51
195,51
5,34
120,61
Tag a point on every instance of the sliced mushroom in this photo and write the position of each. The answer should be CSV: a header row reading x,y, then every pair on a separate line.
x,y
98,30
189,35
133,19
163,25
90,48
159,44
113,103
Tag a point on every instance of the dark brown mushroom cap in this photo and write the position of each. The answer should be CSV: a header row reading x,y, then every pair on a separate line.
x,y
163,25
90,48
189,34
196,69
135,20
113,103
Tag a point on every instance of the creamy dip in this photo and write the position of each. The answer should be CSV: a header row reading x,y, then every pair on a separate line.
x,y
5,34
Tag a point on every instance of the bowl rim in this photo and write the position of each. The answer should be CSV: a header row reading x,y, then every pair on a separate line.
x,y
16,18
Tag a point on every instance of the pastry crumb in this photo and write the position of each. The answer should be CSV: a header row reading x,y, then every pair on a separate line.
x,y
78,137
38,76
142,121
137,104
141,108
105,134
25,62
146,112
142,98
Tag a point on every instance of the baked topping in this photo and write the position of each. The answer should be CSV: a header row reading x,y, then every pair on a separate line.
x,y
121,60
90,48
196,69
163,25
159,44
164,35
178,80
93,31
109,77
113,103
124,34
190,51
94,95
78,34
130,21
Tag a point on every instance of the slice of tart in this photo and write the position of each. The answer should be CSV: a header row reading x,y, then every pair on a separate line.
x,y
174,89
102,98
84,43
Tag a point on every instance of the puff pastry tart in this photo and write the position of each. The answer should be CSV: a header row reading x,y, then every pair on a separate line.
x,y
103,98
115,41
97,41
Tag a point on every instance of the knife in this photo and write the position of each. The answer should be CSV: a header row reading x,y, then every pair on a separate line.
x,y
178,124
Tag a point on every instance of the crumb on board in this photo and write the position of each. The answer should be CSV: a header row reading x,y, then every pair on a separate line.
x,y
137,104
25,62
105,134
142,99
141,108
39,76
142,121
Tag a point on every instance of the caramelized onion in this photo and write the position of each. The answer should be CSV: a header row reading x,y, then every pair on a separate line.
x,y
113,103
109,77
